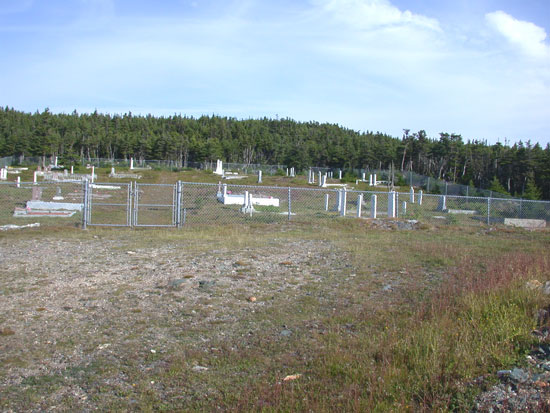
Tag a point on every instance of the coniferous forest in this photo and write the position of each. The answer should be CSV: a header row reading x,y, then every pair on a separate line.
x,y
520,170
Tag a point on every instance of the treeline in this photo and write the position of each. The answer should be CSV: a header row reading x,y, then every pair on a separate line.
x,y
522,169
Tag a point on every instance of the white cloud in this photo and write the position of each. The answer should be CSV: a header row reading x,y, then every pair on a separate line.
x,y
366,14
365,64
529,37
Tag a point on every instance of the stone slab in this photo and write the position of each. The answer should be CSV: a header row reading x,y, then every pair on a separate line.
x,y
525,223
462,211
54,206
235,199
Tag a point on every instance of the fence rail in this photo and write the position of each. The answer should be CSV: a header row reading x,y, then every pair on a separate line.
x,y
187,203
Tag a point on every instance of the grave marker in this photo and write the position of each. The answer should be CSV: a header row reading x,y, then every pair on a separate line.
x,y
391,204
442,205
373,202
36,193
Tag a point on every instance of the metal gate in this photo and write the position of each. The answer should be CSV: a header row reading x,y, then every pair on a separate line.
x,y
107,205
132,205
156,205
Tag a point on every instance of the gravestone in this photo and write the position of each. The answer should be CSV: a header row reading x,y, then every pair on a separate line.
x,y
442,204
373,206
391,204
359,204
36,193
58,196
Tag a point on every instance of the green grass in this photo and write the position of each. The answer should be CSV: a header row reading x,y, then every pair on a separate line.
x,y
458,310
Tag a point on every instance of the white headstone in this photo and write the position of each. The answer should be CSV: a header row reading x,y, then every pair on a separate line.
x,y
219,167
442,206
131,163
112,170
373,206
364,175
339,174
259,177
320,178
55,162
93,174
224,190
18,182
72,169
343,205
420,193
411,195
34,176
326,202
374,179
391,204
370,180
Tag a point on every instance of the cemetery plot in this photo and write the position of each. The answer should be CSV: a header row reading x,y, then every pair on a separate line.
x,y
41,202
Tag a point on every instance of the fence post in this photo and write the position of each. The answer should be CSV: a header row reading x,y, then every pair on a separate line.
x,y
85,204
135,205
289,203
489,211
178,204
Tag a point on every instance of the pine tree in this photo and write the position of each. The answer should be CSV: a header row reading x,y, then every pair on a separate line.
x,y
531,190
496,186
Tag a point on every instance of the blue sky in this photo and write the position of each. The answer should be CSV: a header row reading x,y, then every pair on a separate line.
x,y
477,68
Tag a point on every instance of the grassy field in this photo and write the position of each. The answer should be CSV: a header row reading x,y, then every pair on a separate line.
x,y
329,316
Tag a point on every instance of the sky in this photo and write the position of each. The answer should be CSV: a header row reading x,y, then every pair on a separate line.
x,y
479,68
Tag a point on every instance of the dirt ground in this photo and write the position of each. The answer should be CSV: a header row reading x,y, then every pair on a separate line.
x,y
90,320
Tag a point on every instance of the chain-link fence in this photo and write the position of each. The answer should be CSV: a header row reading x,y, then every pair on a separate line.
x,y
50,204
429,184
185,203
